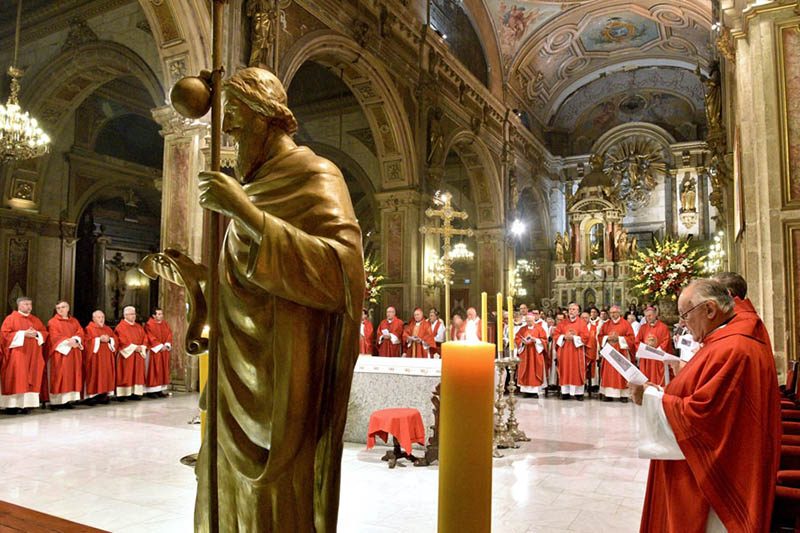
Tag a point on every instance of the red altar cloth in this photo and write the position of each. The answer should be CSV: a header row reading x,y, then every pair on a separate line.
x,y
405,424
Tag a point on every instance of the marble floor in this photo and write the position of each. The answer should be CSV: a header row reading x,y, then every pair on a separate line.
x,y
116,467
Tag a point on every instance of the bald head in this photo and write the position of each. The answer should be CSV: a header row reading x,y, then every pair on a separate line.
x,y
733,282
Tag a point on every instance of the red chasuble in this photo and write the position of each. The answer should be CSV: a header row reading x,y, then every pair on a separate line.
x,y
654,370
458,333
610,378
98,367
725,412
745,311
591,346
159,343
65,371
366,339
571,363
530,372
385,346
22,368
130,363
422,330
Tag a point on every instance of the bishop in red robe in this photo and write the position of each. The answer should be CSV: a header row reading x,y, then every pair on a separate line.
x,y
22,363
390,334
438,330
130,356
716,428
656,334
99,351
617,332
159,344
64,358
742,306
531,341
571,337
418,337
365,340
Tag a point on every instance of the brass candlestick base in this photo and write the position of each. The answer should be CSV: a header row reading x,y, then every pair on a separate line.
x,y
502,439
512,427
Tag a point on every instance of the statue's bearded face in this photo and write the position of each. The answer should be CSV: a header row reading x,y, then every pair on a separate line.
x,y
235,116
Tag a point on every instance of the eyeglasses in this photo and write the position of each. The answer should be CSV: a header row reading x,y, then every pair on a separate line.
x,y
683,316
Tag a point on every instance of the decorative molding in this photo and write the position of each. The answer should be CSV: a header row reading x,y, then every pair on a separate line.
x,y
79,33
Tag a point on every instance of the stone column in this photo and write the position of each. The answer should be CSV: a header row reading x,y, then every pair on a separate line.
x,y
181,225
491,261
401,215
758,117
100,244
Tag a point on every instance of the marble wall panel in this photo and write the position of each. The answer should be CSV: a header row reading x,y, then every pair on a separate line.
x,y
790,69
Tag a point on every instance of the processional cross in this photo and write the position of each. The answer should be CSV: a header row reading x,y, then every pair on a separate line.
x,y
447,214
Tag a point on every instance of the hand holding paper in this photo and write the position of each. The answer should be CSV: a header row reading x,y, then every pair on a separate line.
x,y
621,364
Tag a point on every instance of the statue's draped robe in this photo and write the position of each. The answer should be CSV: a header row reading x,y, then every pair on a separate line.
x,y
284,387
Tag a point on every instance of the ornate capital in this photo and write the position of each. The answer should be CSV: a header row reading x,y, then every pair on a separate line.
x,y
173,124
395,200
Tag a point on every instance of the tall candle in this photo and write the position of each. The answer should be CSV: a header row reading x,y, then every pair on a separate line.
x,y
510,307
500,323
465,449
484,317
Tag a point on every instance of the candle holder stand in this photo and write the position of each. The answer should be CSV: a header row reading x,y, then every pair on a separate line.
x,y
512,426
432,450
502,439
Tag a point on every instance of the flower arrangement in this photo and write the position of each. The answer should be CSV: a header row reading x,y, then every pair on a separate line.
x,y
664,269
374,280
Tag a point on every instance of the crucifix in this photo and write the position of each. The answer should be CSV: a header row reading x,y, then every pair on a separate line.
x,y
447,214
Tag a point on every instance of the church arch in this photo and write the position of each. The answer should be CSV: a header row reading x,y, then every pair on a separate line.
x,y
371,84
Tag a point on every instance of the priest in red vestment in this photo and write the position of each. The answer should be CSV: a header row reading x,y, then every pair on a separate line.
x,y
617,332
531,342
592,352
571,337
130,356
159,353
472,327
714,433
22,366
99,349
418,337
656,334
390,334
742,306
438,330
365,345
64,358
457,328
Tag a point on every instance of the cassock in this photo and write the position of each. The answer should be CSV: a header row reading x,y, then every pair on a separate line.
x,y
438,330
417,339
612,384
591,346
367,331
22,368
570,354
157,362
98,367
391,347
714,437
654,370
531,344
130,362
64,363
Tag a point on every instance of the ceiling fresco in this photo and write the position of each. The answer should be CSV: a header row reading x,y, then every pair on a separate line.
x,y
552,51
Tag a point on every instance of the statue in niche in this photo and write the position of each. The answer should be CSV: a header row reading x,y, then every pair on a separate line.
x,y
621,244
261,28
712,96
688,194
435,136
561,248
596,243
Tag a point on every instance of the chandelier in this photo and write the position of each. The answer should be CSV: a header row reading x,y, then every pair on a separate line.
x,y
716,254
460,252
20,134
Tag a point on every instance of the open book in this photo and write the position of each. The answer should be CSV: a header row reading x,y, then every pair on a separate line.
x,y
649,352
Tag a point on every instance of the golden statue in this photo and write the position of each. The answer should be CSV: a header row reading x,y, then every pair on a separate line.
x,y
261,27
561,248
712,96
291,257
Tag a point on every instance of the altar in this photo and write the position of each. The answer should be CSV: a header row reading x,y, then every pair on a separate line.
x,y
384,382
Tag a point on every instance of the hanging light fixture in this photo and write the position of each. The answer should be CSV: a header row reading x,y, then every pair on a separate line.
x,y
20,134
462,253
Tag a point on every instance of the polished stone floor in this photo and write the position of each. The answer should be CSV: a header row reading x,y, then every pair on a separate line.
x,y
117,467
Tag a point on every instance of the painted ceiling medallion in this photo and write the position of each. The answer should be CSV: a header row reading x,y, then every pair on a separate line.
x,y
617,31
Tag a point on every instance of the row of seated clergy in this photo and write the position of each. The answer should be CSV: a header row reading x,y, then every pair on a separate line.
x,y
65,363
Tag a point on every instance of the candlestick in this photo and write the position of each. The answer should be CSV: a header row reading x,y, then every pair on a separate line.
x,y
499,324
512,426
484,317
501,437
510,306
465,450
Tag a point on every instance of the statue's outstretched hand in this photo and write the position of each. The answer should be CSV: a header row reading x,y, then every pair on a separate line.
x,y
223,194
